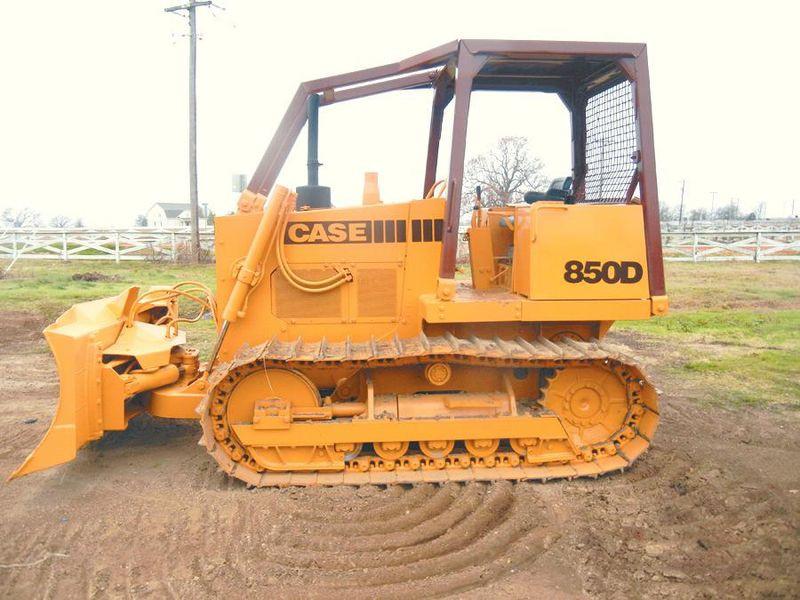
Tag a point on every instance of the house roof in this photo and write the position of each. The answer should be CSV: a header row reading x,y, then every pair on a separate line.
x,y
174,210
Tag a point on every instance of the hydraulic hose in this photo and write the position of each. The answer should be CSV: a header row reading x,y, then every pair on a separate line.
x,y
272,227
300,283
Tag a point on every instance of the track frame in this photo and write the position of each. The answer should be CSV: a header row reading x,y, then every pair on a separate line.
x,y
228,444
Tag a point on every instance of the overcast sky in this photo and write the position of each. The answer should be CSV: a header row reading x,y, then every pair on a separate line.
x,y
93,119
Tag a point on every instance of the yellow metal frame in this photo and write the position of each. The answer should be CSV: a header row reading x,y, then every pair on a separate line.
x,y
357,431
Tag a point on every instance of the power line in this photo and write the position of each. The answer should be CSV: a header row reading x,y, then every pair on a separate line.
x,y
190,9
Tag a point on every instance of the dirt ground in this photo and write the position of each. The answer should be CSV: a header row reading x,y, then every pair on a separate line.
x,y
713,510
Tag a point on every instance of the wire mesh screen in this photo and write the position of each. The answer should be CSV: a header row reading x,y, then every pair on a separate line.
x,y
610,144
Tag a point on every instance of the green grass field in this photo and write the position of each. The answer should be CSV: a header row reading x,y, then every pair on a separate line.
x,y
734,331
732,336
47,288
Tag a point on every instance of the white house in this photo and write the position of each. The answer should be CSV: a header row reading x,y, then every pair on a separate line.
x,y
174,215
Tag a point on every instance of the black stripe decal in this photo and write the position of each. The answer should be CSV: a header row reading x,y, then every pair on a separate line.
x,y
389,230
416,230
350,232
427,230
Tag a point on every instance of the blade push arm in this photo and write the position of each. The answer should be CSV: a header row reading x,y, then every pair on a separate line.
x,y
248,272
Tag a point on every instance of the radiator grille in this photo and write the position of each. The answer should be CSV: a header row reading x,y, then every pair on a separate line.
x,y
377,292
291,303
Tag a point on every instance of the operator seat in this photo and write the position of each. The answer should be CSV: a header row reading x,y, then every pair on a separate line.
x,y
560,189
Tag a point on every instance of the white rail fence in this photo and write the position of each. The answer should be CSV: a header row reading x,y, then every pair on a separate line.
x,y
99,244
758,246
171,245
720,225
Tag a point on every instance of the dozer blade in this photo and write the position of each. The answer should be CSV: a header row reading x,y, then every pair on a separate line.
x,y
77,340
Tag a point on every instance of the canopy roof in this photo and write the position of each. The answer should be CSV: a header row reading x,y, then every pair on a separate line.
x,y
576,71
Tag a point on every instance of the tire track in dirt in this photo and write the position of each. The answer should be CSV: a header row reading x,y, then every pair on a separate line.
x,y
470,503
408,515
397,500
448,532
460,536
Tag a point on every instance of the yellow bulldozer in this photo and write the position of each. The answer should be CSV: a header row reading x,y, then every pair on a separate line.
x,y
347,350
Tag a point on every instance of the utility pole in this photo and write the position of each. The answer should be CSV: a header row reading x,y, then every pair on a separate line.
x,y
680,212
713,197
190,8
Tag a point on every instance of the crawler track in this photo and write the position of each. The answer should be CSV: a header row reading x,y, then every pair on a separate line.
x,y
618,451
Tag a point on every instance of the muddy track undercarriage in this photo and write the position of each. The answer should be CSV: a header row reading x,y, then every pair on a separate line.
x,y
594,412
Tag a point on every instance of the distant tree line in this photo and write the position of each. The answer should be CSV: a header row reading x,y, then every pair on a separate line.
x,y
27,217
16,218
727,212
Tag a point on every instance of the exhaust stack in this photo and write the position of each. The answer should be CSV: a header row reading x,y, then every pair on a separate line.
x,y
313,195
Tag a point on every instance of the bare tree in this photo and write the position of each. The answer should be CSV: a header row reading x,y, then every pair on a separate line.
x,y
504,173
141,221
698,214
729,212
667,212
60,221
79,222
22,217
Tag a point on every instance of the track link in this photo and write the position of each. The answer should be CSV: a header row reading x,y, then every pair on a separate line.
x,y
612,454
